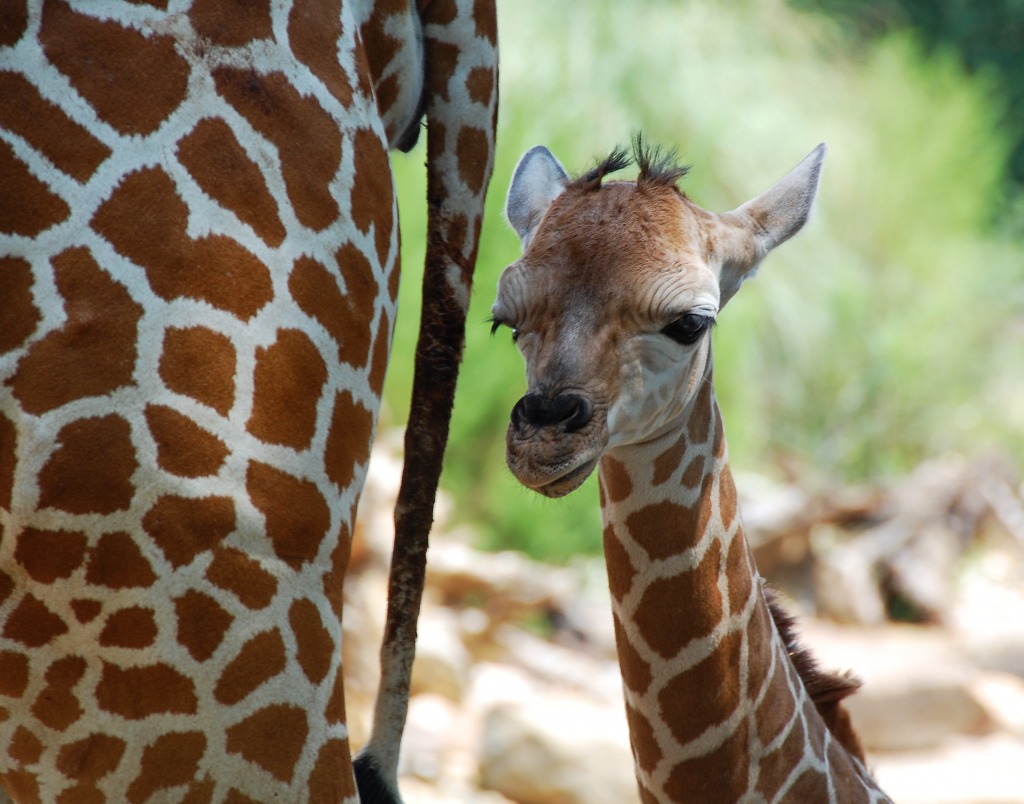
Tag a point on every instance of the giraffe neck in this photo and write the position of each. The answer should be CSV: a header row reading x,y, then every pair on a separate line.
x,y
716,707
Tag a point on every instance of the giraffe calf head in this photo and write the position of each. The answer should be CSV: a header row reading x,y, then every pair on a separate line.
x,y
613,299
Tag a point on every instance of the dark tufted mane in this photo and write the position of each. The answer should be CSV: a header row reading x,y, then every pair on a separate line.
x,y
657,165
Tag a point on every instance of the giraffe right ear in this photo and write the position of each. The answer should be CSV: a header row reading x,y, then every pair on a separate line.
x,y
538,180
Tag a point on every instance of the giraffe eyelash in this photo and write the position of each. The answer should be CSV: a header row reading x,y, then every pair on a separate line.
x,y
497,323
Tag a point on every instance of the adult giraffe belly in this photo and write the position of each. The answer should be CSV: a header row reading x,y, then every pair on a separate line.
x,y
198,267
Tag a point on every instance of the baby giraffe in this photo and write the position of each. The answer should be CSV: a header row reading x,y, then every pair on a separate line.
x,y
612,305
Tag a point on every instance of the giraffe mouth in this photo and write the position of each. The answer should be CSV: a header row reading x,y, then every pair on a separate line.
x,y
551,484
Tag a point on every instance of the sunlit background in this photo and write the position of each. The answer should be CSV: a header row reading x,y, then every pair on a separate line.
x,y
874,371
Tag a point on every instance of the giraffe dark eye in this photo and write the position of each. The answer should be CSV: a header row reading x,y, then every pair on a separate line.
x,y
687,329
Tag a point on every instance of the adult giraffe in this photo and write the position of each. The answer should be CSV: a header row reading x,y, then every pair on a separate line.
x,y
198,272
612,305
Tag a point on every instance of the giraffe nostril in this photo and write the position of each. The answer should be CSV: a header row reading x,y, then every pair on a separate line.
x,y
581,414
569,411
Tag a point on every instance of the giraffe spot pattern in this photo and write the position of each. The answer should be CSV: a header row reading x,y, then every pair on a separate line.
x,y
777,709
331,779
213,268
135,693
272,737
694,472
647,527
183,447
620,569
25,747
486,21
259,660
699,424
314,644
73,480
199,363
91,758
335,709
8,460
726,498
13,673
381,351
346,317
94,352
288,380
184,527
296,513
334,578
235,572
480,85
722,775
19,315
86,611
348,440
201,624
200,792
6,586
372,195
617,484
646,751
132,627
33,624
170,760
314,29
232,24
443,58
739,571
473,150
668,461
21,784
117,563
27,207
673,611
57,706
132,81
13,21
636,672
221,167
306,137
234,797
701,693
70,147
774,768
50,555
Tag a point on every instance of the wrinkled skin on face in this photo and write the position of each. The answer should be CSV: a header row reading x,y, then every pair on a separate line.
x,y
612,303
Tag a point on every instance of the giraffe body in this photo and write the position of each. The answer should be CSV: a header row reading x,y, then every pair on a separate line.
x,y
612,304
198,267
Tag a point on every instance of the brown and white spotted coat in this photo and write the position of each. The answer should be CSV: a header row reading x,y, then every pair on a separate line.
x,y
198,272
612,304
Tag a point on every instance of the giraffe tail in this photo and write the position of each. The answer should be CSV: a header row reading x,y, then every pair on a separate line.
x,y
438,354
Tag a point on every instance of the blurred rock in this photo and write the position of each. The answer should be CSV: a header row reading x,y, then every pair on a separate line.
x,y
922,716
558,749
442,661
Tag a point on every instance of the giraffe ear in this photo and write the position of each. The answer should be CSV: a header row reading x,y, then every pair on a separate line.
x,y
761,224
538,180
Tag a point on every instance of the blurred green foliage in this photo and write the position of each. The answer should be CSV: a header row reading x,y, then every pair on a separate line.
x,y
890,330
987,36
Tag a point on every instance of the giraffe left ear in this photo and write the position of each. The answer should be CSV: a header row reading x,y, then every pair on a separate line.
x,y
538,180
752,230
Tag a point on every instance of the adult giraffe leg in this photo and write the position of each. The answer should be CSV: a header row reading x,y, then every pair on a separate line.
x,y
461,107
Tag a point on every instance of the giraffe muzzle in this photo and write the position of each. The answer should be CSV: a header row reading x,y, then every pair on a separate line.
x,y
567,412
